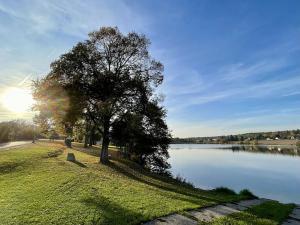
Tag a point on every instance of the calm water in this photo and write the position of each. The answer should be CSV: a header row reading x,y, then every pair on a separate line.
x,y
268,171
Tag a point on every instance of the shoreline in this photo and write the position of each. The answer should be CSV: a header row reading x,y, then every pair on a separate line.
x,y
283,142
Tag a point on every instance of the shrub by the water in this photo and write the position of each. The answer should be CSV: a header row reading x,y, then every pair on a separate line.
x,y
182,181
247,193
224,190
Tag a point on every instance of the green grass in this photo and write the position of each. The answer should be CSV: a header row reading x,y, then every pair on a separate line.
x,y
268,213
38,186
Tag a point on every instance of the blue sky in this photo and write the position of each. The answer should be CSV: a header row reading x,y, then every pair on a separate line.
x,y
230,66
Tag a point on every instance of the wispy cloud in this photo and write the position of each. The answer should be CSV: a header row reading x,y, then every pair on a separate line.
x,y
242,71
24,81
267,73
75,18
291,93
184,82
259,90
7,115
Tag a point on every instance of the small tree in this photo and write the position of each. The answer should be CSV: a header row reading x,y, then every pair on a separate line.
x,y
145,136
60,108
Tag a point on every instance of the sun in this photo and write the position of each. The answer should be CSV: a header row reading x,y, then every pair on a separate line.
x,y
17,100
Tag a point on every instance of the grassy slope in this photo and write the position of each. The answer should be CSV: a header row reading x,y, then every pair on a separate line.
x,y
269,213
41,188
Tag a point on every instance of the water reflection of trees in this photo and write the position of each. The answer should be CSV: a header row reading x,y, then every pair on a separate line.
x,y
269,149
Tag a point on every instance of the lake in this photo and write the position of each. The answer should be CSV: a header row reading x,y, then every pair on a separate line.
x,y
268,171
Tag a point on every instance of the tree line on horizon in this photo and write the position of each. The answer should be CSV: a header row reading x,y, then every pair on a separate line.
x,y
16,130
104,88
272,135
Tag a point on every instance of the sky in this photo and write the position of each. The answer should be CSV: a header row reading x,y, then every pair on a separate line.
x,y
230,66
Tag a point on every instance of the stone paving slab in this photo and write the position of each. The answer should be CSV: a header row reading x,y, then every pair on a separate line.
x,y
211,213
252,202
294,217
236,206
174,219
291,222
295,214
207,214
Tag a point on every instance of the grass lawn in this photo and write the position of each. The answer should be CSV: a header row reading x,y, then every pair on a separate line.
x,y
269,213
38,186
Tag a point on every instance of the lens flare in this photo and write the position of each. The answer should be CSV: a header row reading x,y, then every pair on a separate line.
x,y
17,100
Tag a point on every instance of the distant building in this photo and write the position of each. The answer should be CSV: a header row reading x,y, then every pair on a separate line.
x,y
292,138
269,139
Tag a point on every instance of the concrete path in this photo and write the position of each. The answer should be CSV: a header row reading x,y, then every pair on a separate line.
x,y
206,214
294,217
13,144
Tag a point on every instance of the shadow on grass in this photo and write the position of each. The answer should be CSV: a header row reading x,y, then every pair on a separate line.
x,y
108,212
133,171
188,194
20,163
10,167
79,163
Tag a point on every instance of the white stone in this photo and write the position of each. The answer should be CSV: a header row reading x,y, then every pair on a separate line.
x,y
174,219
210,213
71,157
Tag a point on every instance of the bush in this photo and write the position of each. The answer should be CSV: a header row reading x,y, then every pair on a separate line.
x,y
224,190
182,181
247,193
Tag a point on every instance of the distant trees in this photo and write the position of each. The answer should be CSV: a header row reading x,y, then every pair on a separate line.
x,y
15,130
100,83
289,134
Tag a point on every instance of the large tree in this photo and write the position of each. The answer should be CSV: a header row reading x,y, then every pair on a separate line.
x,y
109,75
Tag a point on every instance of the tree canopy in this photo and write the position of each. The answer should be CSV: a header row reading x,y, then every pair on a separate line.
x,y
104,81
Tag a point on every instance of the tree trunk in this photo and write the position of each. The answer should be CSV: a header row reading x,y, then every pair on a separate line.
x,y
142,160
92,135
86,136
86,140
105,143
